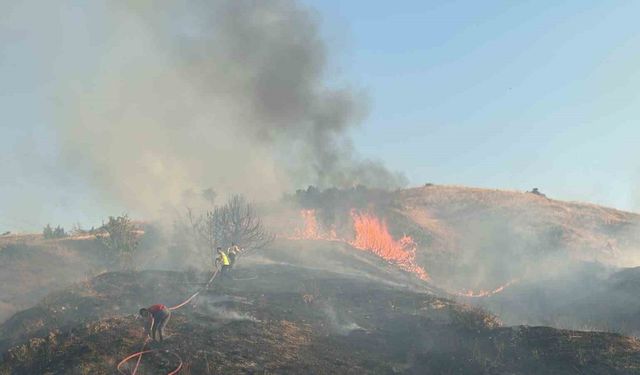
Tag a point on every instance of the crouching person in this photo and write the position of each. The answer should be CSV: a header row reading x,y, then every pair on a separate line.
x,y
157,318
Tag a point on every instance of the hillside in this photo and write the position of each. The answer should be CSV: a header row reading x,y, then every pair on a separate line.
x,y
494,236
528,258
467,239
589,231
288,317
471,238
589,297
341,291
31,267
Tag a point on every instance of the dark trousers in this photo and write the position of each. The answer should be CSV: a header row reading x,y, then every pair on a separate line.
x,y
224,272
160,320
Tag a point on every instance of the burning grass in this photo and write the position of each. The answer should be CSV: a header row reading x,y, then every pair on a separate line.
x,y
311,229
370,234
485,293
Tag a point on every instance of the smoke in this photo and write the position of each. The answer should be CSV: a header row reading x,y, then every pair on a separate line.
x,y
221,307
339,324
231,95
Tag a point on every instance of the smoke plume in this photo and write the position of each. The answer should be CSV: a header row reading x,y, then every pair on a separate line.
x,y
224,94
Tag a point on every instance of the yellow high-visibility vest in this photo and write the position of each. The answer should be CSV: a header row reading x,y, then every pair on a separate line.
x,y
223,257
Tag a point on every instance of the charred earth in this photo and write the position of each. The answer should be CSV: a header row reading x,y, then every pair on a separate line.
x,y
303,307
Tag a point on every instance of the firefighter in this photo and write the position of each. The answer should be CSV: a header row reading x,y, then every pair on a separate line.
x,y
223,260
233,252
158,316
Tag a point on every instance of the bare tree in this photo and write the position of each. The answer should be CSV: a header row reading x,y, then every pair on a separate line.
x,y
237,221
120,237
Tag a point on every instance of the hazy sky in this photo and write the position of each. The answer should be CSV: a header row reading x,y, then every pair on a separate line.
x,y
499,94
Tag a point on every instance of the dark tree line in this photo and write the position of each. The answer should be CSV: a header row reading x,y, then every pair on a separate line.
x,y
58,232
333,205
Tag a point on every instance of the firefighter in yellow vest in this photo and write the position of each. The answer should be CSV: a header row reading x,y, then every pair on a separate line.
x,y
223,260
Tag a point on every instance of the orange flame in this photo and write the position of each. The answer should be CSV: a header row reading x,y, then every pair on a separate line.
x,y
310,224
486,293
311,230
371,234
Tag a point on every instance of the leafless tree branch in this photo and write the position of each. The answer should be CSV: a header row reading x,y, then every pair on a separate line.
x,y
237,221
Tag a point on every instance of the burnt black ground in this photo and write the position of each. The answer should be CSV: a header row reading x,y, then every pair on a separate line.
x,y
323,309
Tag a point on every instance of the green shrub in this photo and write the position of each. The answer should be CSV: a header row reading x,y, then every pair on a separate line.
x,y
120,238
58,232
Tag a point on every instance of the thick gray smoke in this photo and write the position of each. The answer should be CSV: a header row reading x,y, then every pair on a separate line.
x,y
224,94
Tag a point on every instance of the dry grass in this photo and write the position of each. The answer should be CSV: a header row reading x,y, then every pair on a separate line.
x,y
588,231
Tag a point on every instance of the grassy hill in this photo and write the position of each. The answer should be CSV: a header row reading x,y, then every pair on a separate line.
x,y
323,306
31,267
588,231
481,238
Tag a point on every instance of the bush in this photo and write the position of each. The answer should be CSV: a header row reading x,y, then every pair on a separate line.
x,y
120,239
57,232
535,191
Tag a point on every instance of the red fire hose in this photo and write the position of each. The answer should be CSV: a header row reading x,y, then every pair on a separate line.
x,y
196,293
140,353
